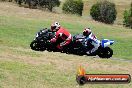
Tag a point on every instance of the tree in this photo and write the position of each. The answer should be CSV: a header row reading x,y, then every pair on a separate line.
x,y
128,17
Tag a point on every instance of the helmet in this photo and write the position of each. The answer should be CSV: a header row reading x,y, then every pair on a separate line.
x,y
86,31
55,26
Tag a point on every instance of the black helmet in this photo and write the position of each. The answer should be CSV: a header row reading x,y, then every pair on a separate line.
x,y
86,31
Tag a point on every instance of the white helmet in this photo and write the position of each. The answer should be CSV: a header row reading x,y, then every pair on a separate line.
x,y
55,26
86,31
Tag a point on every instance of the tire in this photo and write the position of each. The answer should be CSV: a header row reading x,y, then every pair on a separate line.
x,y
105,52
35,45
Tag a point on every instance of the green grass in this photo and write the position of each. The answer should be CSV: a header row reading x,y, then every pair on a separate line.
x,y
25,75
22,75
18,32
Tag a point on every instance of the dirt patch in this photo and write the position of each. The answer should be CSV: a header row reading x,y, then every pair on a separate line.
x,y
64,62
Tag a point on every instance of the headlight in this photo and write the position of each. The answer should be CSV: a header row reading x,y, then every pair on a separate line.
x,y
37,35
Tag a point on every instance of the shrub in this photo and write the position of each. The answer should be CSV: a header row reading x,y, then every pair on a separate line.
x,y
128,17
49,4
104,11
73,7
52,3
6,0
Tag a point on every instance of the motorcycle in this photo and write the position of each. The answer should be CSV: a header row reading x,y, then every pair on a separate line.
x,y
104,51
77,46
40,42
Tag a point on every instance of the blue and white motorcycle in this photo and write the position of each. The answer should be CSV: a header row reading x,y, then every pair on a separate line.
x,y
104,51
78,46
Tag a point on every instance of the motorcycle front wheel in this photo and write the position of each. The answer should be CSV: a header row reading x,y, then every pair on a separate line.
x,y
105,52
35,45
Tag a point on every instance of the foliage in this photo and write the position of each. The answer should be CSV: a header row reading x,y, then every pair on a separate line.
x,y
49,4
128,17
104,11
73,7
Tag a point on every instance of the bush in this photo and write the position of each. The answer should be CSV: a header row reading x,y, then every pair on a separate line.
x,y
52,3
49,4
7,0
104,12
73,7
128,17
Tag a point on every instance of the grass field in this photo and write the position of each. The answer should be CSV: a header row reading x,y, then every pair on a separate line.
x,y
20,67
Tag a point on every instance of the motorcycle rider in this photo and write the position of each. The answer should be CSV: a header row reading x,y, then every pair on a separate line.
x,y
60,33
92,39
